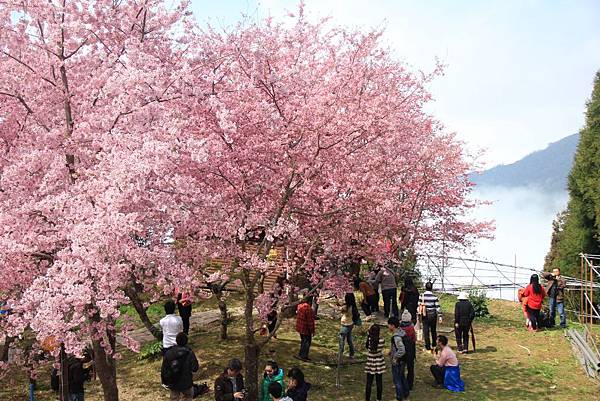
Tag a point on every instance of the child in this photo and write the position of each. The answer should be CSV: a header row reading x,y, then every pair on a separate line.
x,y
523,301
375,361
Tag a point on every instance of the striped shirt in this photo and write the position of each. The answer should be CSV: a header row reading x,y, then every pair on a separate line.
x,y
375,360
431,301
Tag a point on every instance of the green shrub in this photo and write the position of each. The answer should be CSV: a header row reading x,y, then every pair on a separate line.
x,y
151,350
480,302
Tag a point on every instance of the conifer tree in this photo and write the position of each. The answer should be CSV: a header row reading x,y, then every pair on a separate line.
x,y
581,231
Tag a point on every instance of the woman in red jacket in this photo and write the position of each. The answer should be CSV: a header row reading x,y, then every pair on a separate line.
x,y
535,294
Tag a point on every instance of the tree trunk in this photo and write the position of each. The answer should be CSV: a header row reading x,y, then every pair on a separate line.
x,y
133,294
106,369
5,348
251,354
224,317
251,349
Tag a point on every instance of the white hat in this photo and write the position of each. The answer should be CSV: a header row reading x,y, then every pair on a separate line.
x,y
463,295
406,316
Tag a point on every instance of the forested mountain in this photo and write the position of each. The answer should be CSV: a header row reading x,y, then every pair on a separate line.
x,y
545,169
577,229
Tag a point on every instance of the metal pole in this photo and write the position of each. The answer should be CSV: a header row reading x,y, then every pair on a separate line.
x,y
591,292
581,312
64,374
515,281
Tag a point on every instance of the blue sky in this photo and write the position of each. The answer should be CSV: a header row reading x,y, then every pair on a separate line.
x,y
519,71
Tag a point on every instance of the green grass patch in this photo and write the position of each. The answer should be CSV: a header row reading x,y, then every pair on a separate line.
x,y
500,370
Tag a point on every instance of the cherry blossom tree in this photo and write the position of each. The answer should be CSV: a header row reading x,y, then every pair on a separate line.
x,y
315,138
120,123
88,121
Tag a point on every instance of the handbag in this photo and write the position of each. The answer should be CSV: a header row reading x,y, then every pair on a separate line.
x,y
419,330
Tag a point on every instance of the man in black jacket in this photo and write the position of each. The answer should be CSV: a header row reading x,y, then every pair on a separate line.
x,y
463,319
78,374
179,363
230,385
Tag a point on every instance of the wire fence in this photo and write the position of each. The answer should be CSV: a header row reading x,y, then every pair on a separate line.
x,y
452,274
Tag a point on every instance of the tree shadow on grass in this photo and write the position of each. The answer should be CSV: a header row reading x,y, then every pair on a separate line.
x,y
486,350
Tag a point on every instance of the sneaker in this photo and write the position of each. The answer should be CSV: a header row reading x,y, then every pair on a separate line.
x,y
437,385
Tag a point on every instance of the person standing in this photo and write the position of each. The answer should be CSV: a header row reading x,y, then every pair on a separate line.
x,y
464,314
409,298
184,306
372,281
431,311
276,294
556,295
179,364
273,374
350,315
535,294
78,375
171,325
389,291
411,347
375,366
369,299
398,358
305,326
297,387
229,386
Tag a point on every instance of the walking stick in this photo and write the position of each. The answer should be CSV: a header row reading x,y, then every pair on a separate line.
x,y
337,372
473,337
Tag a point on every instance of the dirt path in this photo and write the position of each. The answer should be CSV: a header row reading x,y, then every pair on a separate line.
x,y
198,319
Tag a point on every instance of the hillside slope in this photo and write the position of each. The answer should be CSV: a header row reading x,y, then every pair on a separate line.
x,y
546,169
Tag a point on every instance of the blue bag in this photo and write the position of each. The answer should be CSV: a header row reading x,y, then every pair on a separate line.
x,y
452,380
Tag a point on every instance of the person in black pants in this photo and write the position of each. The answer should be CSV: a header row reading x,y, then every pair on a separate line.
x,y
372,281
431,304
463,318
184,306
409,298
389,292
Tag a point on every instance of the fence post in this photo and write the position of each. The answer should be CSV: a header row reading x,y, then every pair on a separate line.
x,y
515,281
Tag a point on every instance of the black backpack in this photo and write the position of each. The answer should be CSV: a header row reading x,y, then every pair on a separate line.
x,y
173,369
200,389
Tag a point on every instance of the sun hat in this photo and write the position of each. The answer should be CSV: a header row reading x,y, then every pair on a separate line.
x,y
463,295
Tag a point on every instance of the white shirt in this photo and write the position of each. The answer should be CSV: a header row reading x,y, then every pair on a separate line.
x,y
171,326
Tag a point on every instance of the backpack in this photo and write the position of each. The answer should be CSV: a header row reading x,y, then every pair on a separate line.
x,y
173,368
199,389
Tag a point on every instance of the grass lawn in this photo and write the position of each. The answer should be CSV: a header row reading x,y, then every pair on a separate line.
x,y
500,369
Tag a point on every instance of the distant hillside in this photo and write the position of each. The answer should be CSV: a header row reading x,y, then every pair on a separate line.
x,y
545,169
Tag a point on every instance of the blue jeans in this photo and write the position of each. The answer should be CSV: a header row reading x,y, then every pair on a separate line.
x,y
399,377
346,336
305,341
76,397
554,305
